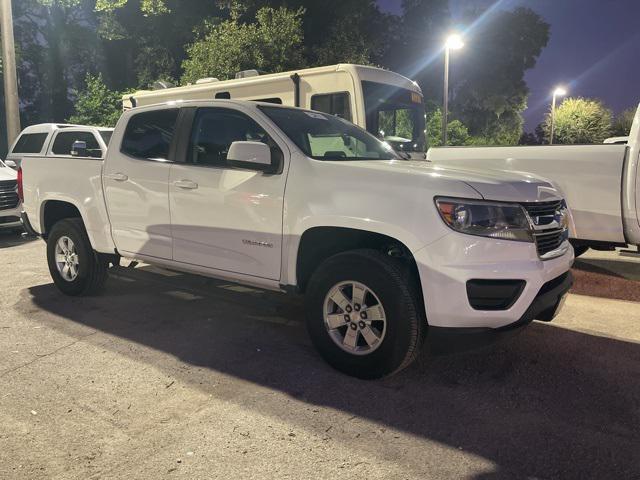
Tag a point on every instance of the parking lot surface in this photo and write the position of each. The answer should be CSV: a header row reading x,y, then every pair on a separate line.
x,y
175,376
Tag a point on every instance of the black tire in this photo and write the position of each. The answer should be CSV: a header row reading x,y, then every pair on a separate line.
x,y
392,282
92,267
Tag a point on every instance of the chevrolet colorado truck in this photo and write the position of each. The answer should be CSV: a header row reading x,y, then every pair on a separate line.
x,y
388,252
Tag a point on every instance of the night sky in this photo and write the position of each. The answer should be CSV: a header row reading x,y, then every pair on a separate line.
x,y
594,50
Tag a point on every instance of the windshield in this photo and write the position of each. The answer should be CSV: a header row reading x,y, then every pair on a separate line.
x,y
326,137
395,115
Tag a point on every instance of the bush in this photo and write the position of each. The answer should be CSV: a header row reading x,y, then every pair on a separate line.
x,y
579,121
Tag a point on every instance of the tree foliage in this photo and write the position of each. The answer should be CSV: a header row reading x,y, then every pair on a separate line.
x,y
273,43
622,123
579,121
489,90
96,104
457,132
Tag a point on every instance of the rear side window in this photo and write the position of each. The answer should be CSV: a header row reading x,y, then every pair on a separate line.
x,y
148,134
30,143
64,141
333,103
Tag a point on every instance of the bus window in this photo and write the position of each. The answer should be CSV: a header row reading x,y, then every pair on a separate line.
x,y
333,103
223,95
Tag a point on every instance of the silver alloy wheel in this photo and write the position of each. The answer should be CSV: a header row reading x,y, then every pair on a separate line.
x,y
67,258
354,317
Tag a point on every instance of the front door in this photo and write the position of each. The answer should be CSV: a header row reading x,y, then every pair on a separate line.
x,y
136,187
222,217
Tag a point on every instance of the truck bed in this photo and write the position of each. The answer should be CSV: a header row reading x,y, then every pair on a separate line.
x,y
49,179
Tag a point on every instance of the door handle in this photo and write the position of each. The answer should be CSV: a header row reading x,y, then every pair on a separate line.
x,y
118,177
186,184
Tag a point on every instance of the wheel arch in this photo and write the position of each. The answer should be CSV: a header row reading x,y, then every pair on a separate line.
x,y
318,243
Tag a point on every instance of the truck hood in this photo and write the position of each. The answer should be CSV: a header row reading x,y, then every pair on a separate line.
x,y
498,185
7,173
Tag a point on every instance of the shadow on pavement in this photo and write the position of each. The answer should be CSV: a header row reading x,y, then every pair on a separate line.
x,y
12,238
550,403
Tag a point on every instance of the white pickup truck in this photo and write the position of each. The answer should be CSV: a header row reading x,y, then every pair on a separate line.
x,y
601,183
388,252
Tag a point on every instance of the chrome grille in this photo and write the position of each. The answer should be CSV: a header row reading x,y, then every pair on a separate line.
x,y
8,194
548,235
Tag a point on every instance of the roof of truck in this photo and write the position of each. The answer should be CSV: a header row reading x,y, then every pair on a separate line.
x,y
49,127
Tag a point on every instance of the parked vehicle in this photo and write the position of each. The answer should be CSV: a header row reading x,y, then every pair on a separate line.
x,y
56,140
601,183
293,200
385,103
10,206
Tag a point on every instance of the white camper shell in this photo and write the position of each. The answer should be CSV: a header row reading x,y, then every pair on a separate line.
x,y
385,103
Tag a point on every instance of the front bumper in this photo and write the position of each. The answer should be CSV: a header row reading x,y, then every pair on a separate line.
x,y
446,266
545,307
10,218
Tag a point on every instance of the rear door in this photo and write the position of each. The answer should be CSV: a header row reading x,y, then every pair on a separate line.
x,y
222,217
135,179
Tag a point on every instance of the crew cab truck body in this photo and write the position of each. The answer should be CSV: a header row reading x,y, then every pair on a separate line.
x,y
384,249
601,183
56,140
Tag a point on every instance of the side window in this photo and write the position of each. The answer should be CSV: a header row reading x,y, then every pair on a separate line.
x,y
215,129
64,141
30,143
333,104
148,134
276,100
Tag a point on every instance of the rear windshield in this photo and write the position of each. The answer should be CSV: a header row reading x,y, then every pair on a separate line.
x,y
326,137
30,143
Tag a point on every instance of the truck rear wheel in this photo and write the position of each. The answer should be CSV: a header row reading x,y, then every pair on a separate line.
x,y
363,314
75,267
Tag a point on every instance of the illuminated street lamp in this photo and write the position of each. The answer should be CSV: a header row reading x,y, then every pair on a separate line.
x,y
558,92
454,42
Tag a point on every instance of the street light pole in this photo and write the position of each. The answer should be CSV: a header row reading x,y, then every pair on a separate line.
x,y
454,42
557,92
445,97
12,108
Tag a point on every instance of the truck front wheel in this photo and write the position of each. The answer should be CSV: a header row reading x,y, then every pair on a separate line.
x,y
75,267
363,314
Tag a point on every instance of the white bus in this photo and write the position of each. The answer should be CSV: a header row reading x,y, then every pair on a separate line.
x,y
385,103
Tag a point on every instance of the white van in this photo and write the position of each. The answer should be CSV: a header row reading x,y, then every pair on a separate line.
x,y
385,103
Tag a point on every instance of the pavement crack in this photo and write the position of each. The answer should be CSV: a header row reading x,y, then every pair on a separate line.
x,y
39,357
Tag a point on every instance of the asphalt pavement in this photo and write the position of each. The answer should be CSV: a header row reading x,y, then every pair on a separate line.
x,y
176,376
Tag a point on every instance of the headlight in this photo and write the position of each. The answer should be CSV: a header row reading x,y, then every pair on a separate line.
x,y
487,219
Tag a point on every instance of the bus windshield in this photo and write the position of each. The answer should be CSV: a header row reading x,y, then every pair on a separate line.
x,y
395,115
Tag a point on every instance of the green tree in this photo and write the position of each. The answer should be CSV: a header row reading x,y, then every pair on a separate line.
x,y
96,104
579,121
457,132
489,90
622,123
273,43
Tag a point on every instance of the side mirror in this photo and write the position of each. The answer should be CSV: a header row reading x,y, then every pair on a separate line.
x,y
79,149
252,156
10,163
